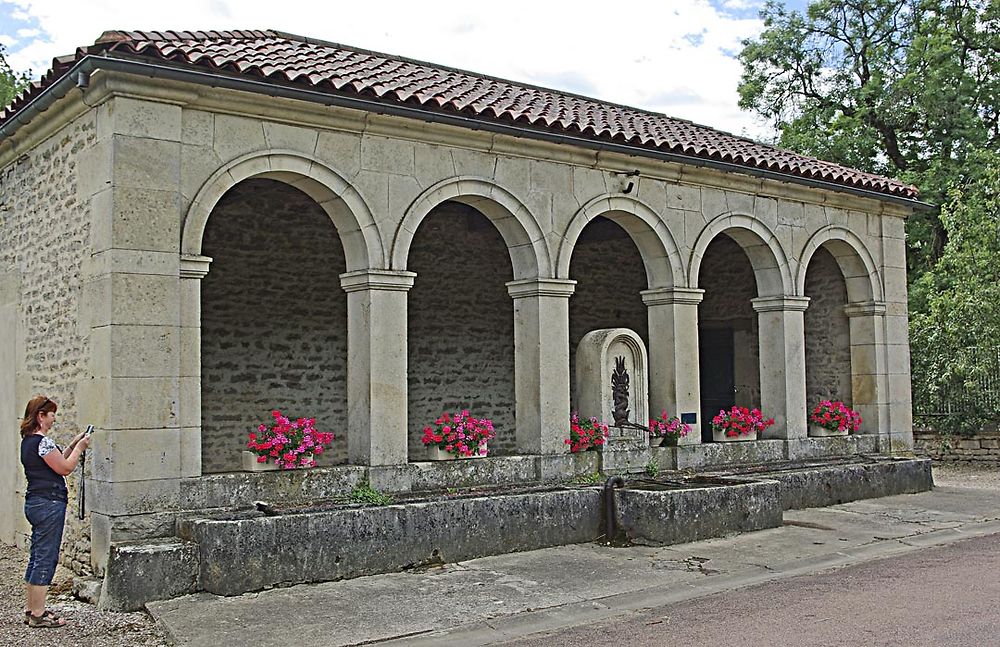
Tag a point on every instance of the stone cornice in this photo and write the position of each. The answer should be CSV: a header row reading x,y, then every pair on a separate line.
x,y
867,308
665,296
194,266
780,303
541,288
389,280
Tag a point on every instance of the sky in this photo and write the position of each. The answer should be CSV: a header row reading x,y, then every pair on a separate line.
x,y
677,57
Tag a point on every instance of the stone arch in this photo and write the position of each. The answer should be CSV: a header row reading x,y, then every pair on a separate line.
x,y
768,259
864,282
335,195
520,231
648,231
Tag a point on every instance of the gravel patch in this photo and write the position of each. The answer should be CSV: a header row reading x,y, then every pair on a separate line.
x,y
85,625
967,475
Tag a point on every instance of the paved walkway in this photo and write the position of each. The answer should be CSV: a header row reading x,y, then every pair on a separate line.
x,y
507,597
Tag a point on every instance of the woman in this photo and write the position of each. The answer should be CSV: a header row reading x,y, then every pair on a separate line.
x,y
45,465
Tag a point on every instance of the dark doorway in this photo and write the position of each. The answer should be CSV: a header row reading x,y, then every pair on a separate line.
x,y
718,384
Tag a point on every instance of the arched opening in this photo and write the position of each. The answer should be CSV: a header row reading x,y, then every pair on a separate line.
x,y
827,332
728,333
273,319
460,328
609,271
843,324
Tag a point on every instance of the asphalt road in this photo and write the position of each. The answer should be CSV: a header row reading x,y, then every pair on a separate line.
x,y
943,596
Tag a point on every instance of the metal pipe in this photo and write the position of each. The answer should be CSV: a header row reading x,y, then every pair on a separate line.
x,y
610,508
91,62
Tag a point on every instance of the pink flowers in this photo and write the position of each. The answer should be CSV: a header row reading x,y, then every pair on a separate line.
x,y
668,427
585,435
835,416
740,421
460,434
290,444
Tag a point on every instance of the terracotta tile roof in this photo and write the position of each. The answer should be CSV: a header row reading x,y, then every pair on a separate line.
x,y
339,70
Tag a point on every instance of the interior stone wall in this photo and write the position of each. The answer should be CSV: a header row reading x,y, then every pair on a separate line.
x,y
44,232
460,331
727,277
827,332
274,320
609,273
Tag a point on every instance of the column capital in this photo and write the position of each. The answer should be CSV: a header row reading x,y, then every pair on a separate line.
x,y
865,308
392,280
194,266
665,296
541,288
781,302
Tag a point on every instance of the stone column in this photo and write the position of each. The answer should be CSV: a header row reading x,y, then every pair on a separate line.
x,y
541,363
376,366
783,364
131,386
193,269
898,397
869,389
673,354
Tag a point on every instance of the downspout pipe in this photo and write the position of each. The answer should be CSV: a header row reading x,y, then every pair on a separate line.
x,y
90,63
611,508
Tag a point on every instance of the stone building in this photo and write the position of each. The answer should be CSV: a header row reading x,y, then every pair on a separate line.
x,y
197,228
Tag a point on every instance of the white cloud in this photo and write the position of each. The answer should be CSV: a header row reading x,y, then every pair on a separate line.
x,y
629,53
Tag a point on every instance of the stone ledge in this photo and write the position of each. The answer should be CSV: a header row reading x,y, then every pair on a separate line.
x,y
140,572
819,486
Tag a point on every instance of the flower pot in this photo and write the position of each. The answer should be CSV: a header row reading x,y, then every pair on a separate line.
x,y
250,463
721,437
816,431
435,453
663,441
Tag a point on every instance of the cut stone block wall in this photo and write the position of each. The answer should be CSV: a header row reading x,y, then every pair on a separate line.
x,y
827,332
274,320
44,242
460,325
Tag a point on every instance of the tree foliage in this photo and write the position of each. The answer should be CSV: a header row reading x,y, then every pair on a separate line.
x,y
904,88
11,82
955,309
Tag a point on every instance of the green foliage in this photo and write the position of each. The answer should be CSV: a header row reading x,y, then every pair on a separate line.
x,y
367,495
955,309
904,88
589,479
11,82
652,468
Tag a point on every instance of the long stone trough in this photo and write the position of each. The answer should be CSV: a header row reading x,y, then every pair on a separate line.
x,y
234,553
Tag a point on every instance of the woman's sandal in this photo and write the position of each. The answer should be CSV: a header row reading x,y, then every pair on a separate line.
x,y
47,612
47,620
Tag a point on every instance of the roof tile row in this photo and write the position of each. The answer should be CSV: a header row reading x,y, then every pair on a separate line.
x,y
337,69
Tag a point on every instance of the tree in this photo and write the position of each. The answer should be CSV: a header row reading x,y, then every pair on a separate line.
x,y
904,88
11,82
955,309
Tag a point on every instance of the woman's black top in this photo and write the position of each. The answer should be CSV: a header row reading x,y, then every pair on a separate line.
x,y
42,480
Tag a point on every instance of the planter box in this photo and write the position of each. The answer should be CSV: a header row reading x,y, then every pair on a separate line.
x,y
435,453
815,431
250,463
721,437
